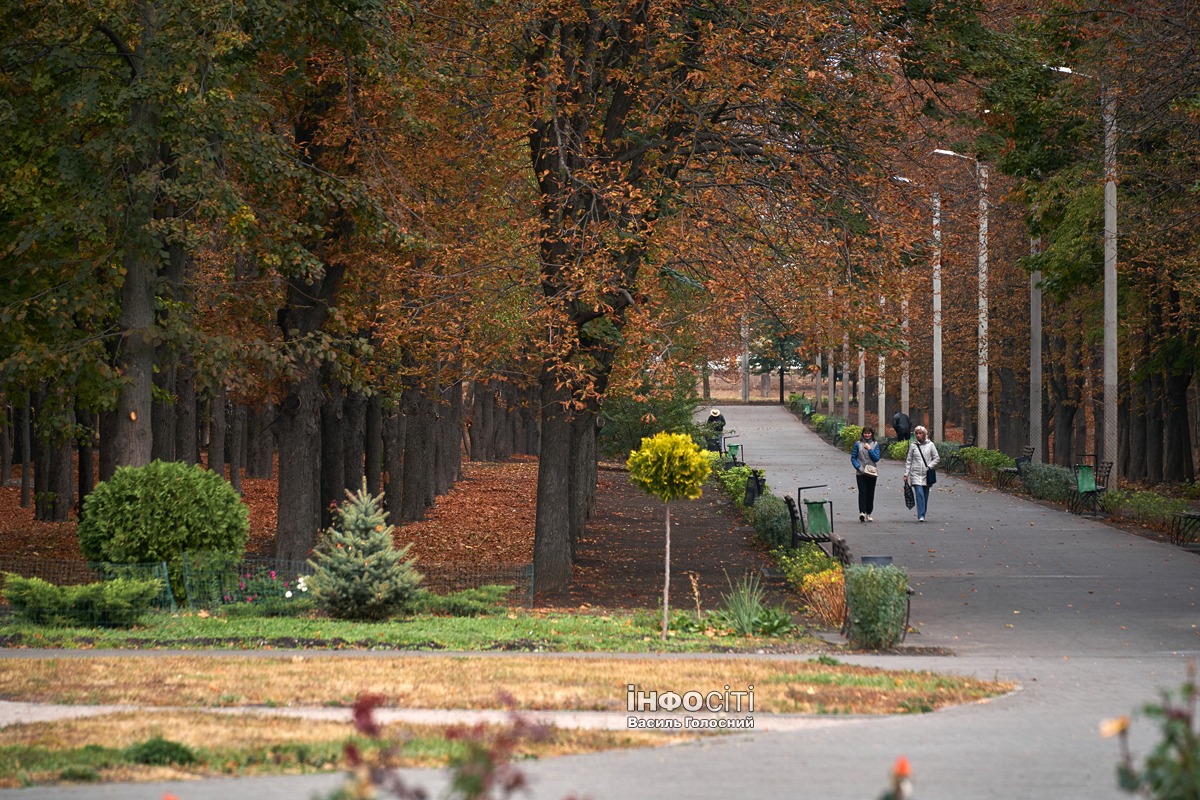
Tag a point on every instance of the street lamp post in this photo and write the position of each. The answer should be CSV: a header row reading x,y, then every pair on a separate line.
x,y
1110,284
981,173
1108,114
937,433
937,323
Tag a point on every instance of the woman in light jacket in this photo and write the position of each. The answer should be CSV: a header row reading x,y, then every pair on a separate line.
x,y
864,457
922,457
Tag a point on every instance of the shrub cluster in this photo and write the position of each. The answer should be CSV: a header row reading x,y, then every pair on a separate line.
x,y
772,522
1048,481
797,563
117,603
1148,508
850,434
477,602
743,612
876,605
629,419
733,481
155,512
986,463
825,594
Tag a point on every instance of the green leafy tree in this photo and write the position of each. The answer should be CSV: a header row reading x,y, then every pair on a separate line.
x,y
358,573
154,512
669,466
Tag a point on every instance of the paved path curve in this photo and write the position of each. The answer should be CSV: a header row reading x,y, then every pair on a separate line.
x,y
1091,621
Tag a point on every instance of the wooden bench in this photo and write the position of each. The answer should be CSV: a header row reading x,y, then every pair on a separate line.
x,y
1006,475
1185,528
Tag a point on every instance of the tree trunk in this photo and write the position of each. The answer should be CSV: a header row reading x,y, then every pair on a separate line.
x,y
333,452
299,427
187,436
27,451
483,421
1064,431
552,528
1012,427
531,425
395,429
373,445
162,423
418,493
450,438
87,467
216,435
1155,431
237,444
6,444
1178,451
666,575
1139,396
355,411
583,459
260,444
53,480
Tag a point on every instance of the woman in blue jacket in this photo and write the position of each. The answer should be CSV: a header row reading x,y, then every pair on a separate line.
x,y
864,456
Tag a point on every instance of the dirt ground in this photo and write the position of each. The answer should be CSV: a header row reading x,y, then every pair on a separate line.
x,y
619,561
489,516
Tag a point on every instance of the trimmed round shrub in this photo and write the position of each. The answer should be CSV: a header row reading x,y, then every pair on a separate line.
x,y
772,522
898,450
155,512
876,605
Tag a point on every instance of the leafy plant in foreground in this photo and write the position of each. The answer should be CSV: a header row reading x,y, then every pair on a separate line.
x,y
1171,771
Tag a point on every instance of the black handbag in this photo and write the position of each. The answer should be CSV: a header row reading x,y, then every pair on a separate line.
x,y
930,473
910,499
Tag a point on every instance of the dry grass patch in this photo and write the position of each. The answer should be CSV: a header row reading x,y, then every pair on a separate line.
x,y
251,744
468,682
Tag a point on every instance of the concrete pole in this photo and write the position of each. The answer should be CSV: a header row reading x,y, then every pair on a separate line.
x,y
1110,283
983,418
1035,357
745,358
881,382
938,434
846,377
829,377
820,381
862,388
904,363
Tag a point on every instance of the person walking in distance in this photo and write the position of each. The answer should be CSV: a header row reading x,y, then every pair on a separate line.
x,y
919,467
864,456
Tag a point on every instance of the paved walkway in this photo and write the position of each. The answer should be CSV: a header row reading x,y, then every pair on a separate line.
x,y
1091,621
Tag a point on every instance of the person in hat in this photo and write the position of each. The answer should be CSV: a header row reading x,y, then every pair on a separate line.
x,y
715,424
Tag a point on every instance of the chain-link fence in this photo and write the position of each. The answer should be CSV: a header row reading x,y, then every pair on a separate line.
x,y
94,596
208,580
215,579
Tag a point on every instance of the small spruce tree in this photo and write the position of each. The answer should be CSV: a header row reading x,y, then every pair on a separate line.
x,y
358,573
